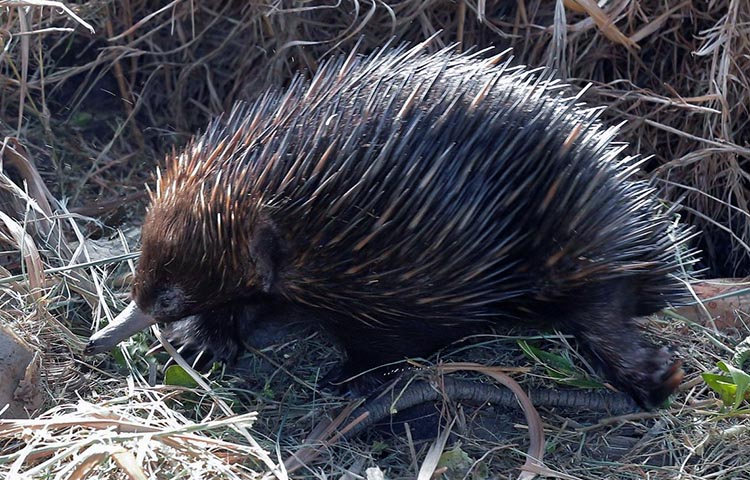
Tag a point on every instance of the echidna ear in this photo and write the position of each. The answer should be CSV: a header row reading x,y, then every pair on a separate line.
x,y
266,251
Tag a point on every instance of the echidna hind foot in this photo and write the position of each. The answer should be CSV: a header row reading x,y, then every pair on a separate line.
x,y
601,316
648,372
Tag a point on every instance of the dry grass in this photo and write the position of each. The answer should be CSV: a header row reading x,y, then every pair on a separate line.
x,y
94,112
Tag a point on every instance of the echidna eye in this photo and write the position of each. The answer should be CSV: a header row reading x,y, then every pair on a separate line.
x,y
162,303
169,302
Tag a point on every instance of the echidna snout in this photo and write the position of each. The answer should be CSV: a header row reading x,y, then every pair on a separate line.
x,y
408,200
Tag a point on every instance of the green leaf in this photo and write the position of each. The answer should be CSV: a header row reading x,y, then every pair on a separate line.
x,y
741,353
740,378
550,360
176,375
378,447
559,368
456,461
119,357
268,392
81,119
721,384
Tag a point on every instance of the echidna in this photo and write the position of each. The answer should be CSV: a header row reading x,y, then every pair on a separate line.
x,y
409,200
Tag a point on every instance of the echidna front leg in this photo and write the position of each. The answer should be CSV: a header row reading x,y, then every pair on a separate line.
x,y
366,367
648,372
374,355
